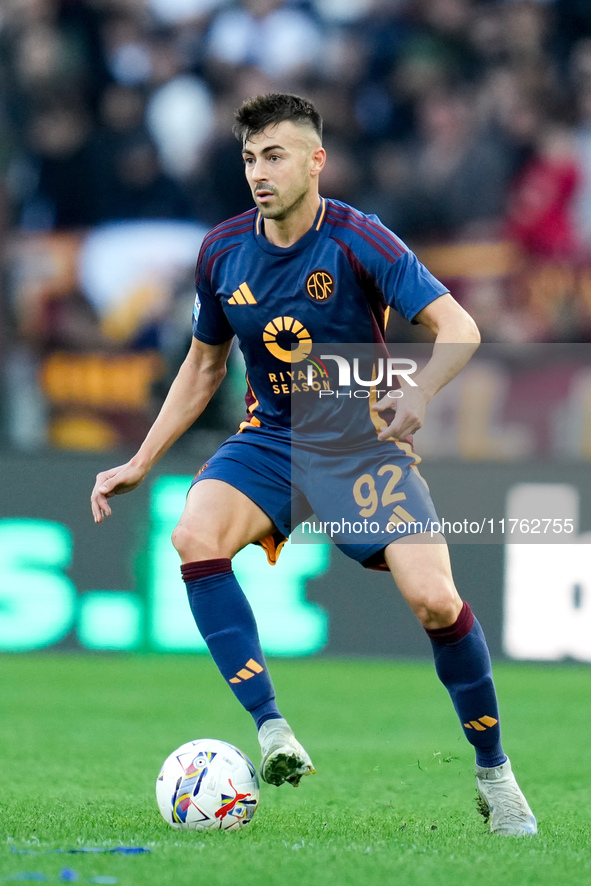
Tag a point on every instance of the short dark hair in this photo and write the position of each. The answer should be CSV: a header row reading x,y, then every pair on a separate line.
x,y
256,114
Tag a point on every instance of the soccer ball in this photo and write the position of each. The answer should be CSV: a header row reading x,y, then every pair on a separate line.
x,y
207,784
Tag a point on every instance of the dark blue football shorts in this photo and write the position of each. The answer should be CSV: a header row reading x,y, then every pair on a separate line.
x,y
364,498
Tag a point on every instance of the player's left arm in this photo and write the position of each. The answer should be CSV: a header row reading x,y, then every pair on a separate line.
x,y
456,339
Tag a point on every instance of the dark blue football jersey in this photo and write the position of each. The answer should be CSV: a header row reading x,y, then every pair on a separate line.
x,y
335,284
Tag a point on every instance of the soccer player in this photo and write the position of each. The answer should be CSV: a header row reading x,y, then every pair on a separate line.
x,y
295,270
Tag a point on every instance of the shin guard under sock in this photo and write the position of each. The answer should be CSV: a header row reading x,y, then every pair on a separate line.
x,y
462,662
227,624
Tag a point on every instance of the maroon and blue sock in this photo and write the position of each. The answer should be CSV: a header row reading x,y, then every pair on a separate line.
x,y
462,662
227,624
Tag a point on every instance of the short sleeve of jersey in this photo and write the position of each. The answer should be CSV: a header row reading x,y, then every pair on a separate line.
x,y
405,282
210,324
409,287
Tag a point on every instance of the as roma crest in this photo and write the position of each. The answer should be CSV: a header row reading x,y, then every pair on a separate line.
x,y
320,285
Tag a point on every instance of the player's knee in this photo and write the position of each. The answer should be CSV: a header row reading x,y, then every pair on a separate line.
x,y
194,543
181,539
438,608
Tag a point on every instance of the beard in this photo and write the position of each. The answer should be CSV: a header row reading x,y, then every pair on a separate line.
x,y
283,208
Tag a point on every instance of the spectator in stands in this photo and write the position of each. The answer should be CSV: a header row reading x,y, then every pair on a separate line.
x,y
56,193
540,215
279,38
457,174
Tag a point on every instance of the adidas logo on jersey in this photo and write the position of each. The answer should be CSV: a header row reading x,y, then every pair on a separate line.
x,y
242,296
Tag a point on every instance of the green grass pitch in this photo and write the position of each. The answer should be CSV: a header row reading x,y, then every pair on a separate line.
x,y
393,800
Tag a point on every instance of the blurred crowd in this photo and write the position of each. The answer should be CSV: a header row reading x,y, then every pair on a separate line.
x,y
456,121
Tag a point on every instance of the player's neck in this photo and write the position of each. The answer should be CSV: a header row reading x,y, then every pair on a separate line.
x,y
286,232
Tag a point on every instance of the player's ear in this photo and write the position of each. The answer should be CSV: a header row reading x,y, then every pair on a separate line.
x,y
318,159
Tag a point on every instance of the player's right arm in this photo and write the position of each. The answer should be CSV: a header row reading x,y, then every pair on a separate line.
x,y
195,384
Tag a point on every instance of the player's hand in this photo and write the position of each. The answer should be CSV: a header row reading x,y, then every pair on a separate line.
x,y
410,413
115,481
